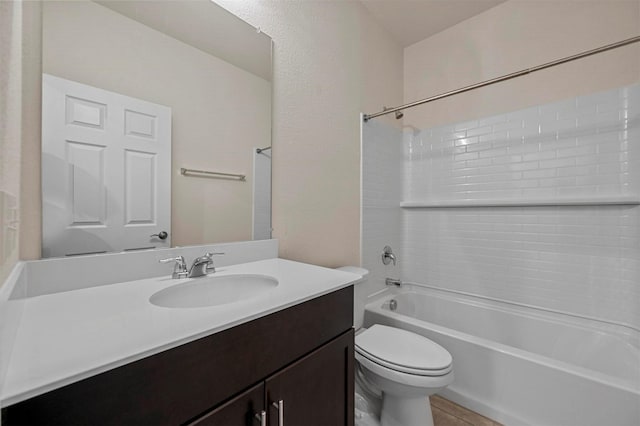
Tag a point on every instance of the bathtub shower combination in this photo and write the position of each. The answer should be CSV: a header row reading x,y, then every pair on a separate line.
x,y
518,245
520,365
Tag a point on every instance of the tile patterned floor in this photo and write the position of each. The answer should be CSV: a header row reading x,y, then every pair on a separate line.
x,y
447,413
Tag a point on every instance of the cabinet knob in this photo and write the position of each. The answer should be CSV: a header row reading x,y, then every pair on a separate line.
x,y
280,406
262,418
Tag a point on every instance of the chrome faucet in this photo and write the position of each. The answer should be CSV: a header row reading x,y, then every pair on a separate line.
x,y
393,281
202,265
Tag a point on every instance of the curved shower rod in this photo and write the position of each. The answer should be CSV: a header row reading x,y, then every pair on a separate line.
x,y
367,117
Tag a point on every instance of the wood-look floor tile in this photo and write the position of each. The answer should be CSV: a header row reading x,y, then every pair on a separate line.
x,y
442,418
454,410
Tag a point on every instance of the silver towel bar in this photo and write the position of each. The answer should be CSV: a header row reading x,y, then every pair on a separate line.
x,y
215,175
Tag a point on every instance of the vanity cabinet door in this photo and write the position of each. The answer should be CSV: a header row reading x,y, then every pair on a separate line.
x,y
316,390
243,410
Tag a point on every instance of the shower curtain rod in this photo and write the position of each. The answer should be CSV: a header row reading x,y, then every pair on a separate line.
x,y
631,40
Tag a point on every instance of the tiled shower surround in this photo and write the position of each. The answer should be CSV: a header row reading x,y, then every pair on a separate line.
x,y
580,147
583,260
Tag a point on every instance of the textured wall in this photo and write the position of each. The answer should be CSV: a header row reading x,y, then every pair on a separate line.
x,y
513,36
30,199
19,132
331,62
10,131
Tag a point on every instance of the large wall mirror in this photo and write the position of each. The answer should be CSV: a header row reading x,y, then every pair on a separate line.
x,y
156,126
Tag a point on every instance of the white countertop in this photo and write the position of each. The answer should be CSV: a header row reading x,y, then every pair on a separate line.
x,y
68,336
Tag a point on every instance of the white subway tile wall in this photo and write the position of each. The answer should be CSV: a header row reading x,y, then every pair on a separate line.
x,y
382,162
581,260
579,147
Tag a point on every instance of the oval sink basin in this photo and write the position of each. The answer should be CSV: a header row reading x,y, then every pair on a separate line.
x,y
213,291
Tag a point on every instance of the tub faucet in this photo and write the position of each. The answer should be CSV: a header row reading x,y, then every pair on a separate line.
x,y
202,265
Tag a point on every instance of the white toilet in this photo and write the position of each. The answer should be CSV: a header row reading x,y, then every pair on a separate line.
x,y
403,367
406,368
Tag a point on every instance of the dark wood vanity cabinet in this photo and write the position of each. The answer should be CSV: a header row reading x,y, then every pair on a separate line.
x,y
315,391
302,356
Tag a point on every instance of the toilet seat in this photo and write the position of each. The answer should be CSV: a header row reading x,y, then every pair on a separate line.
x,y
403,379
403,351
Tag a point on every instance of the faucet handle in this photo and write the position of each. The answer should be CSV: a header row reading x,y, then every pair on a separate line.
x,y
210,267
206,257
178,260
209,256
179,269
388,256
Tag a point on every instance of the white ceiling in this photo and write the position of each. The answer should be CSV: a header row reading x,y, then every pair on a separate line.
x,y
409,21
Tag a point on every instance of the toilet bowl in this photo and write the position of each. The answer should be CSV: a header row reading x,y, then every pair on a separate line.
x,y
404,368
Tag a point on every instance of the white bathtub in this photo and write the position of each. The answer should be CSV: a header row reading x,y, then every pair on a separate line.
x,y
520,365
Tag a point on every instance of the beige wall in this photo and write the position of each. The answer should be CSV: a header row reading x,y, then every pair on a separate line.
x,y
30,199
19,133
331,62
10,131
220,112
513,36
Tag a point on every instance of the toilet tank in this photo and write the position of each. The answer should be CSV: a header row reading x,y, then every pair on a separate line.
x,y
359,296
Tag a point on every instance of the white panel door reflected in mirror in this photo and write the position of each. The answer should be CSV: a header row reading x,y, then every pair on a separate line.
x,y
106,170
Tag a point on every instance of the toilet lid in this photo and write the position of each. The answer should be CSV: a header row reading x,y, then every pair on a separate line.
x,y
402,350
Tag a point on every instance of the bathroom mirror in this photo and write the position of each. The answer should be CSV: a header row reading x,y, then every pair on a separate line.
x,y
156,126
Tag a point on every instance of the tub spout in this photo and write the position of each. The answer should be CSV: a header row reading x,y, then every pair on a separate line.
x,y
393,281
